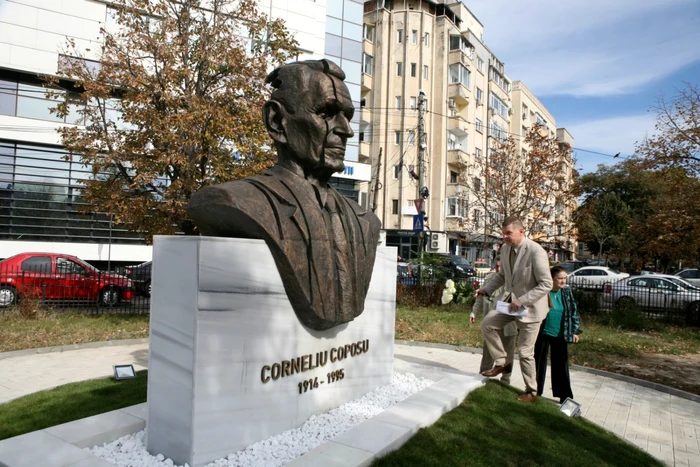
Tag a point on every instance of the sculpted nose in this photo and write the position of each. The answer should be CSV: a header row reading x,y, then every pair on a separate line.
x,y
343,127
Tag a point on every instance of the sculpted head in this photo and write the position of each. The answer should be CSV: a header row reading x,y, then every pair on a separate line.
x,y
308,116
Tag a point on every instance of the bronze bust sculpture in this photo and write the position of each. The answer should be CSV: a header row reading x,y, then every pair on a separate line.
x,y
324,244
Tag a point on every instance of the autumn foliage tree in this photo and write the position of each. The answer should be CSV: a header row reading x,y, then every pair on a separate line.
x,y
536,184
173,104
676,141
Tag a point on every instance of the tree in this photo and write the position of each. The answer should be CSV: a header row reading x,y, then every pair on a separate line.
x,y
173,104
601,220
676,142
534,184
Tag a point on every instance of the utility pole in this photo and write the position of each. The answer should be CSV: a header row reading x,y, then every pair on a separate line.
x,y
374,187
422,189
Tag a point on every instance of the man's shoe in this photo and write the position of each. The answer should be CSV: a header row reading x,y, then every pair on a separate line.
x,y
495,371
527,397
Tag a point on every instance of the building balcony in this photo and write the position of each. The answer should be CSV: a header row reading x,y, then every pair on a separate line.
x,y
366,82
457,158
365,152
459,93
458,126
458,56
365,115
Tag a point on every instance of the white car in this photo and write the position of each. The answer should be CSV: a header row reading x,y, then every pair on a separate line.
x,y
594,277
690,275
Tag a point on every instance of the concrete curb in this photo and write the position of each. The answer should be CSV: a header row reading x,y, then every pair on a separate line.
x,y
607,374
68,347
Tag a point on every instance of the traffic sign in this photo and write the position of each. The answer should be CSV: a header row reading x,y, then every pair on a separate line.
x,y
418,223
418,203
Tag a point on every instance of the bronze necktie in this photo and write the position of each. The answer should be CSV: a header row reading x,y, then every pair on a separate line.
x,y
342,257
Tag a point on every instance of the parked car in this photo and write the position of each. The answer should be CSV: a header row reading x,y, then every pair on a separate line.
x,y
58,278
596,262
482,268
458,266
656,292
690,275
404,274
141,276
594,277
571,266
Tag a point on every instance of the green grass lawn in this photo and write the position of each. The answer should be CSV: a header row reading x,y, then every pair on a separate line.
x,y
70,402
492,428
67,327
489,428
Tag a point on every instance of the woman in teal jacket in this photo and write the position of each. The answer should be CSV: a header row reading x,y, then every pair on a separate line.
x,y
561,327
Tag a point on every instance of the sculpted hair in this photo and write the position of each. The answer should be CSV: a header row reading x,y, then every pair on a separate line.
x,y
556,270
514,221
291,79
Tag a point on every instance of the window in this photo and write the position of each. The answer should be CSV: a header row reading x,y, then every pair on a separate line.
x,y
477,217
453,177
425,71
459,74
66,266
397,137
399,68
8,97
689,274
479,95
458,42
457,207
368,32
399,36
644,283
524,130
414,36
413,103
477,153
497,78
411,137
397,103
499,106
394,206
479,125
497,131
426,39
366,63
414,67
397,171
524,112
363,102
480,64
37,264
477,184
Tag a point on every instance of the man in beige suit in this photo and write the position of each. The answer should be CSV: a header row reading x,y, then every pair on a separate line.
x,y
526,279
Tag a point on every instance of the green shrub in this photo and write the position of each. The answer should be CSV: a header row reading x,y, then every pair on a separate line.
x,y
628,317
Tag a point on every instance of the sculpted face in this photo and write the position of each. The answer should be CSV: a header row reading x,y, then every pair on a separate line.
x,y
317,124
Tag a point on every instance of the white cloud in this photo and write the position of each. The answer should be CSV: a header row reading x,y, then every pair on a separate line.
x,y
590,47
609,136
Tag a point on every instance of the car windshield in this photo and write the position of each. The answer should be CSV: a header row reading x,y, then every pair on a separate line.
x,y
461,261
481,265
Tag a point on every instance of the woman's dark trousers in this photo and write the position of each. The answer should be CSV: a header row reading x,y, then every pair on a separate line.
x,y
561,383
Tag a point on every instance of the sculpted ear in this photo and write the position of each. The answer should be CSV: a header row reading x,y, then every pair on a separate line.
x,y
273,113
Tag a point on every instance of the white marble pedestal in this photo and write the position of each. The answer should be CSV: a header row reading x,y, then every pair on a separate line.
x,y
225,344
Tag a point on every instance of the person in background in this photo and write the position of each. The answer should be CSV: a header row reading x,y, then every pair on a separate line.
x,y
561,327
486,305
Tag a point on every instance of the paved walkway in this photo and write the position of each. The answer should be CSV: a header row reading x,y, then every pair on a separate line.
x,y
666,426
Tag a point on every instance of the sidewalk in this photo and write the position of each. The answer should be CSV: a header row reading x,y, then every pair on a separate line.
x,y
666,426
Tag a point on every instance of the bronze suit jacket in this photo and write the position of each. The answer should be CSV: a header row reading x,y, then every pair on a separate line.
x,y
326,275
529,281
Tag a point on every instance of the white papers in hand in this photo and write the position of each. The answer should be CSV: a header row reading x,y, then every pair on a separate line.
x,y
504,308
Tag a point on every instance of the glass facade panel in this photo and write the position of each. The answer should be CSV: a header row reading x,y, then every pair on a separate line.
x,y
352,49
36,108
334,45
351,30
334,8
8,97
334,26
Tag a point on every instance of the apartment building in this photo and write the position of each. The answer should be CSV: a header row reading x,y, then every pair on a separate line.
x,y
433,51
432,48
39,210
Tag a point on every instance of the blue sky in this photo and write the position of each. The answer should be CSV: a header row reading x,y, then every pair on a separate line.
x,y
598,66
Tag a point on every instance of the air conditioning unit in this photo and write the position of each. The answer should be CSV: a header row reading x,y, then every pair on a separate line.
x,y
434,245
434,237
510,111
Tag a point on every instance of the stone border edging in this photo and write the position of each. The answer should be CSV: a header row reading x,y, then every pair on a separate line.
x,y
627,379
68,347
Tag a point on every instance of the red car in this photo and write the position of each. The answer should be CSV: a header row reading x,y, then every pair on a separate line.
x,y
57,277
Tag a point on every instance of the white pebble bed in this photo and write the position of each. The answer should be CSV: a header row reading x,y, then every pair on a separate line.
x,y
130,451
